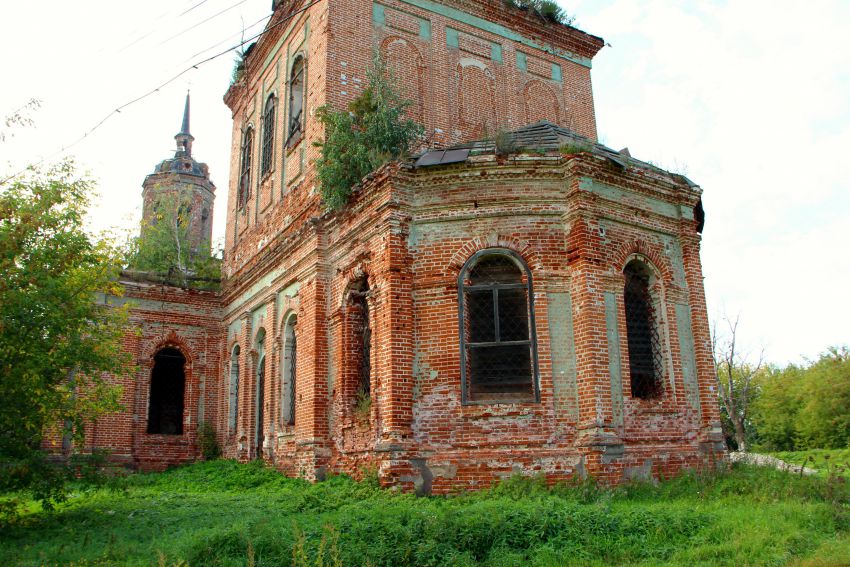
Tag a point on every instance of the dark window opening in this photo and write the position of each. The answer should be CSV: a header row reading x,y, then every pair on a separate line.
x,y
268,136
168,382
497,339
245,169
296,103
361,333
645,362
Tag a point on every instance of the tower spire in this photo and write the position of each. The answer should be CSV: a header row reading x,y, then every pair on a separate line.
x,y
184,138
185,128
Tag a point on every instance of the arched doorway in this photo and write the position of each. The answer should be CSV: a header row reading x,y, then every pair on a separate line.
x,y
167,390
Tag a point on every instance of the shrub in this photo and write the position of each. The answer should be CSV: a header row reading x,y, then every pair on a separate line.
x,y
208,442
549,10
373,132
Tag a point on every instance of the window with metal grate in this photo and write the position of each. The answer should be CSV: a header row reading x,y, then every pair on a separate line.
x,y
268,135
498,343
245,169
645,354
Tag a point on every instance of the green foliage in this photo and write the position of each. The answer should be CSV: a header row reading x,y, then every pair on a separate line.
x,y
207,441
549,10
56,338
165,246
363,405
575,148
224,513
373,132
806,407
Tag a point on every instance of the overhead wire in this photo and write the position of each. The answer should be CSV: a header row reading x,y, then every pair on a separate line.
x,y
153,91
152,30
202,22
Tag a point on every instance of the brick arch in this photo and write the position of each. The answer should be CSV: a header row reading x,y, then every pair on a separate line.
x,y
527,252
288,305
640,248
477,99
408,68
169,340
350,276
541,102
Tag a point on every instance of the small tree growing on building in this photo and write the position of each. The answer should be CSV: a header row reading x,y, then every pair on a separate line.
x,y
165,246
375,130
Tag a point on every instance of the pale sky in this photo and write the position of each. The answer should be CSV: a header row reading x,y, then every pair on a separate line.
x,y
748,98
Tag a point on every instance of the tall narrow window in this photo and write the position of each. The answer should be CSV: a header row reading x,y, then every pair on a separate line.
x,y
233,407
645,362
268,136
359,343
245,169
498,339
296,103
290,351
168,382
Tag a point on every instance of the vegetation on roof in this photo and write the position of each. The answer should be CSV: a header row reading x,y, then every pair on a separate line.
x,y
374,131
548,10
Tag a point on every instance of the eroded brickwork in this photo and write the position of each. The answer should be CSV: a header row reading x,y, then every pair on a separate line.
x,y
470,69
301,282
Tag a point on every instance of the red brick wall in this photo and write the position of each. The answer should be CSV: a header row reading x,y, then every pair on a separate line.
x,y
162,316
574,220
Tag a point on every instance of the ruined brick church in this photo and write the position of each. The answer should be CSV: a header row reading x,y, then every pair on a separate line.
x,y
531,306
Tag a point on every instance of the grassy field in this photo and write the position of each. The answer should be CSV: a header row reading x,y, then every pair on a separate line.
x,y
826,461
223,513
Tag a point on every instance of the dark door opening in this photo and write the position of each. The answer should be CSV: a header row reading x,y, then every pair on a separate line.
x,y
168,384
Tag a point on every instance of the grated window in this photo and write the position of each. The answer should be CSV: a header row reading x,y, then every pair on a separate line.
x,y
268,136
496,333
645,361
245,170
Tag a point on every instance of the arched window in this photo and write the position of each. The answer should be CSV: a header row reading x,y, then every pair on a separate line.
x,y
498,341
645,359
168,382
287,395
233,407
268,136
295,128
245,169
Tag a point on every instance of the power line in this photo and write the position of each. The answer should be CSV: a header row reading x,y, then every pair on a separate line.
x,y
153,29
193,7
155,90
237,34
202,22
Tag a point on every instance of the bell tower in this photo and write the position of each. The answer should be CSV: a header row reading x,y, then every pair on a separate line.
x,y
183,182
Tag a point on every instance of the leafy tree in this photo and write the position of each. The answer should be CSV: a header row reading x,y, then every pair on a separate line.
x,y
777,407
165,246
57,338
374,131
823,421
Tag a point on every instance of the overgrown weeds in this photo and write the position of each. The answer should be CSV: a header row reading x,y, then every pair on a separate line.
x,y
224,513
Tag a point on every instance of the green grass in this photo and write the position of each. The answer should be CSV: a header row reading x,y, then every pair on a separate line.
x,y
223,513
825,461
